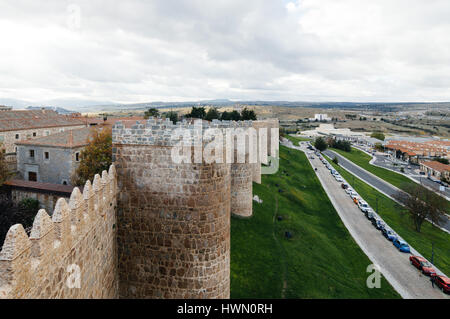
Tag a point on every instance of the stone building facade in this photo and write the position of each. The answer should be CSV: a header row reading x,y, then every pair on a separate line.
x,y
160,230
52,159
22,125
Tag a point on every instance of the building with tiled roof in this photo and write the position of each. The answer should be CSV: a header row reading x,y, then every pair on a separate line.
x,y
21,125
54,158
418,152
436,169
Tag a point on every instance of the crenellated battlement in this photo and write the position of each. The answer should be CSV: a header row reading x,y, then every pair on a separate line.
x,y
162,132
73,241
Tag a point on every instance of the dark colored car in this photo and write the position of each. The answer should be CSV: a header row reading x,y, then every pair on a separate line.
x,y
389,234
442,282
344,185
378,224
423,265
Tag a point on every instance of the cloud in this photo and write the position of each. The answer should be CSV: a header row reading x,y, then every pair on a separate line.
x,y
139,51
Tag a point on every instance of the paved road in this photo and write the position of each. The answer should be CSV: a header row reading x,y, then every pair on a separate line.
x,y
384,162
394,265
373,180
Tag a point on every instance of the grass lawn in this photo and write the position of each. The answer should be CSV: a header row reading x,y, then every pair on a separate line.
x,y
399,220
296,140
362,159
320,260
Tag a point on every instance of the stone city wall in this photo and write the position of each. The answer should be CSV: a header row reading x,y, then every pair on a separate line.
x,y
72,254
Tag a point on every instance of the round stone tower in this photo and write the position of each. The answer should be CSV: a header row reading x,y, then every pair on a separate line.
x,y
173,219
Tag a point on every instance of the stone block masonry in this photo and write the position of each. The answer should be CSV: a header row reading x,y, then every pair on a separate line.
x,y
160,230
174,225
72,254
174,219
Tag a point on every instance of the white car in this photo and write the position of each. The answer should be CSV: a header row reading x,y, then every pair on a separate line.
x,y
349,190
363,206
354,195
339,179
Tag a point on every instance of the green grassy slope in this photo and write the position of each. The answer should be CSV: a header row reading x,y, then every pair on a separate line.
x,y
362,159
295,140
321,260
400,221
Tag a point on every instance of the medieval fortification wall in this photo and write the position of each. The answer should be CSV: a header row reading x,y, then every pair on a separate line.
x,y
72,254
171,238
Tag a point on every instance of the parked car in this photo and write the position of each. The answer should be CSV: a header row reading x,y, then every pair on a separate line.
x,y
349,190
401,245
389,234
344,186
370,214
363,206
379,224
442,282
339,179
354,196
423,265
355,199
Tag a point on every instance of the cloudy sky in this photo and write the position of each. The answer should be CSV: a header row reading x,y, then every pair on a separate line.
x,y
308,50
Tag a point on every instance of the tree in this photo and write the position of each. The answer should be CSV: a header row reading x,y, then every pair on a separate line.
x,y
378,135
341,145
173,116
248,115
212,114
152,112
5,173
379,147
335,160
422,204
96,157
320,144
225,116
12,214
442,160
235,116
197,113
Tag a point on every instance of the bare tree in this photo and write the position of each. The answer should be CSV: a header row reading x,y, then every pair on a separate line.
x,y
422,204
5,173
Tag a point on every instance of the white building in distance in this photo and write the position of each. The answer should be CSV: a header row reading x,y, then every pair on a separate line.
x,y
320,118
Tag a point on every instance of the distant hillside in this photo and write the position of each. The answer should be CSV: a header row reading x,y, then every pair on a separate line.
x,y
59,110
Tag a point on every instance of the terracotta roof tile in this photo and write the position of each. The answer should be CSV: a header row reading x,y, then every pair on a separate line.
x,y
437,166
33,119
67,139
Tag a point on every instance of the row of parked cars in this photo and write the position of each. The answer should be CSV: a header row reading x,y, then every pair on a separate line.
x,y
417,261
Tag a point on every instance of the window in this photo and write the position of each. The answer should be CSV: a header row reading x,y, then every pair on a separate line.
x,y
47,133
61,130
17,136
34,134
2,138
77,156
46,155
32,176
32,153
64,182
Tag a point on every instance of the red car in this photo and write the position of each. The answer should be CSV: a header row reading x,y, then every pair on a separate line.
x,y
442,282
422,264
